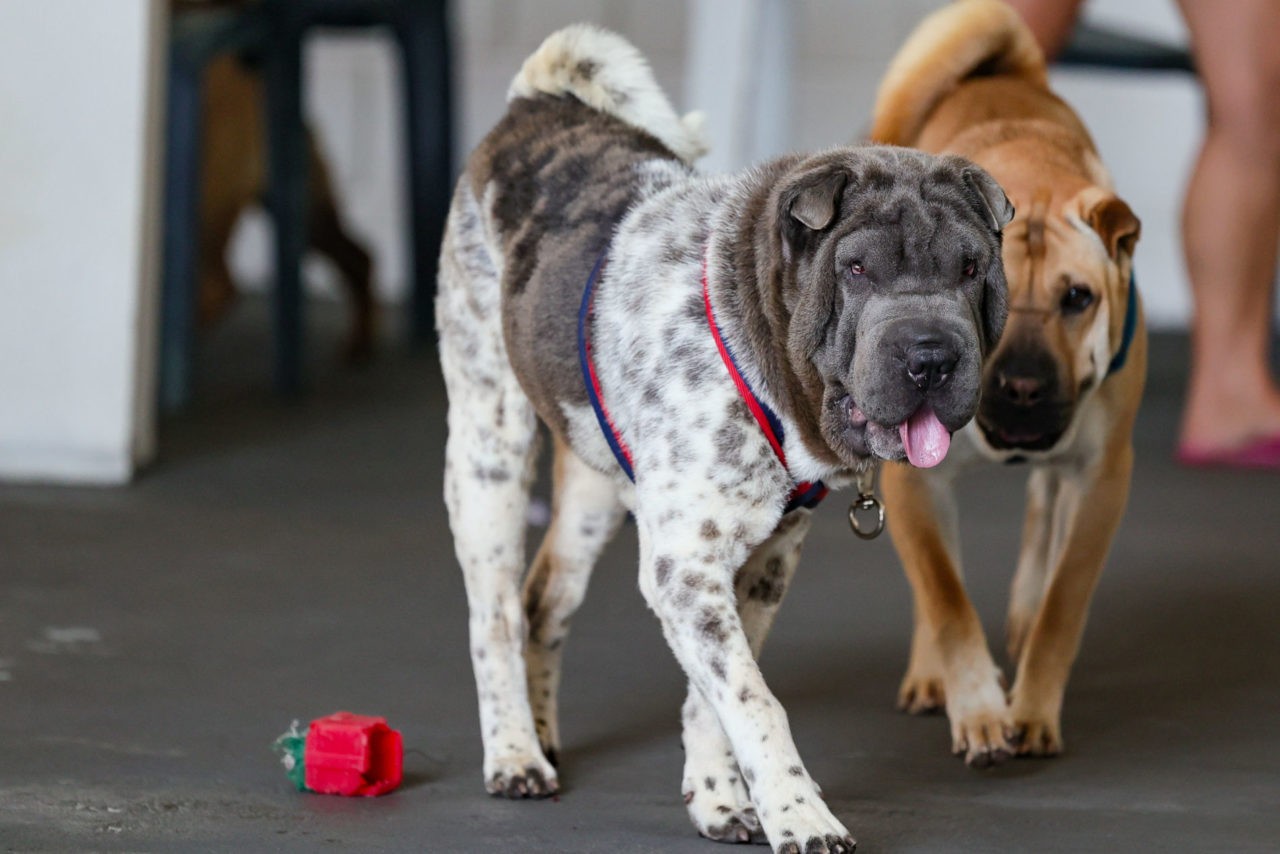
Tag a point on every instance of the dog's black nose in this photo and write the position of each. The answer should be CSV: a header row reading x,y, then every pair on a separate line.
x,y
930,364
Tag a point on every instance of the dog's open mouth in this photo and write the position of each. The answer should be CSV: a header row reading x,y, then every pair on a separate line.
x,y
1019,437
925,440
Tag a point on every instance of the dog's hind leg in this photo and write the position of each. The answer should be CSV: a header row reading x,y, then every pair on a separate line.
x,y
489,460
715,794
328,236
217,290
585,514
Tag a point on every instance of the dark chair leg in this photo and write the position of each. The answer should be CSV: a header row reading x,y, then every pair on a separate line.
x,y
287,194
424,41
182,211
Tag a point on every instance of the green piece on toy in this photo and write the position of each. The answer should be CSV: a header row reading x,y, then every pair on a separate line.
x,y
292,747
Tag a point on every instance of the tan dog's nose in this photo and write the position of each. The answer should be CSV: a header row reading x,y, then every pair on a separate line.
x,y
1022,391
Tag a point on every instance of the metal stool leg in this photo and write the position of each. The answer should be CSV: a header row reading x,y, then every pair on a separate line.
x,y
424,42
287,194
182,211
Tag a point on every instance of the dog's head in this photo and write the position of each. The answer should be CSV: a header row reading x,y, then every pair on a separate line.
x,y
893,289
1068,266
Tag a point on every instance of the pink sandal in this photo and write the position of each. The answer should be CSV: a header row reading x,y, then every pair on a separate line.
x,y
1258,454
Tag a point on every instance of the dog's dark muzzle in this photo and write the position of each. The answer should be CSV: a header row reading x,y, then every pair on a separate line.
x,y
1022,402
929,369
916,382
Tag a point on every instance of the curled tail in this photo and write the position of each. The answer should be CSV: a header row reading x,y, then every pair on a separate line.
x,y
969,38
605,71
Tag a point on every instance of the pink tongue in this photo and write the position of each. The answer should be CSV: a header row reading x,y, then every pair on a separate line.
x,y
925,439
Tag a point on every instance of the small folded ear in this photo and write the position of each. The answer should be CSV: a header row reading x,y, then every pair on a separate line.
x,y
1116,224
999,209
814,200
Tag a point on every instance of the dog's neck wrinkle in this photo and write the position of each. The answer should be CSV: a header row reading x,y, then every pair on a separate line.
x,y
756,327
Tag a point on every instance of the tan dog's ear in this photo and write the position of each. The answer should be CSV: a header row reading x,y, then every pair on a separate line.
x,y
997,205
1116,224
816,199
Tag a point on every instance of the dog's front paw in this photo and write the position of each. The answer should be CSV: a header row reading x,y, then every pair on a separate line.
x,y
797,821
830,844
520,776
981,726
921,694
806,826
720,808
983,740
1037,730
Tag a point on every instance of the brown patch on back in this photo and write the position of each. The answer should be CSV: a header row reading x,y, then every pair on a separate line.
x,y
555,176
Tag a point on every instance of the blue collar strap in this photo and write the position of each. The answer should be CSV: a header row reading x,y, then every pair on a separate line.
x,y
1130,328
611,435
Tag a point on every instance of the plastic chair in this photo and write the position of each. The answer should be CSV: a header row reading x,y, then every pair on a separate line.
x,y
196,37
275,30
1100,47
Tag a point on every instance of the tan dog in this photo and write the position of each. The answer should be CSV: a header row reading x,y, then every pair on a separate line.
x,y
1061,390
233,176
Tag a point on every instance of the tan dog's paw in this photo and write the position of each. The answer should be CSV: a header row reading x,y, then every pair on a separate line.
x,y
1036,733
981,726
983,740
921,695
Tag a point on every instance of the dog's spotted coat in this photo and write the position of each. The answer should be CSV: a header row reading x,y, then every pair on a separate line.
x,y
591,157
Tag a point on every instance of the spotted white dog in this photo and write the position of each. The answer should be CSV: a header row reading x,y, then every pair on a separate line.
x,y
705,352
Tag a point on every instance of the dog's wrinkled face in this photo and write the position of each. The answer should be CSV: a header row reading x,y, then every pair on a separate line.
x,y
1068,289
897,295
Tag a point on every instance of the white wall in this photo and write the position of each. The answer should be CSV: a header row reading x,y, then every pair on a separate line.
x,y
77,237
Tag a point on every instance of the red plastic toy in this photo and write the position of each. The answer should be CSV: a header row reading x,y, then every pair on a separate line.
x,y
344,754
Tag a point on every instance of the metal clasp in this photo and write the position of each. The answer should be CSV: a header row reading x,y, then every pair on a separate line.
x,y
866,502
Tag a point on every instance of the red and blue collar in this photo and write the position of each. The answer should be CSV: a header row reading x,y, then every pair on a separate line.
x,y
805,494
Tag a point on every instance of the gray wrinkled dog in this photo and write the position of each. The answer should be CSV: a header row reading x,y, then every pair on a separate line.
x,y
853,295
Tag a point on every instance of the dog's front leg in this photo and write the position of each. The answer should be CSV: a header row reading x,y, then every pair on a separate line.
x,y
1034,559
1090,503
715,794
950,662
688,564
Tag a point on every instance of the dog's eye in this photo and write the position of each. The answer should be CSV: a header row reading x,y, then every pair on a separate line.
x,y
970,268
857,269
1076,299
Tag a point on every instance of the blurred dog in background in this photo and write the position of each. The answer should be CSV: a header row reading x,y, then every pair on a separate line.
x,y
233,178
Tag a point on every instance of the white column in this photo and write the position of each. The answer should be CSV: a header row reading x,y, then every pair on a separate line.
x,y
739,73
80,87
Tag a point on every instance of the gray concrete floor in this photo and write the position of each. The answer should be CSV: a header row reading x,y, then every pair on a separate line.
x,y
286,560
